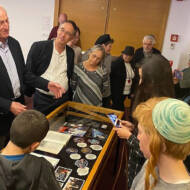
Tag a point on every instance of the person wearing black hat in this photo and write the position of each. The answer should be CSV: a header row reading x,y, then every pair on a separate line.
x,y
105,40
122,78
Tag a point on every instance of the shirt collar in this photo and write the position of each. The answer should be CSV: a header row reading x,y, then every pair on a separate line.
x,y
4,45
56,52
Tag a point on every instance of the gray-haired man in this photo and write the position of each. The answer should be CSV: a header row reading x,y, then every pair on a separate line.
x,y
147,50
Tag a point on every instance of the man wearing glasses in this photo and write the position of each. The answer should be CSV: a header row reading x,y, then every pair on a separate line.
x,y
53,60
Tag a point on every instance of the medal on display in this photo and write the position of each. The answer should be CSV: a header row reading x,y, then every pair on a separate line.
x,y
71,150
79,140
93,141
75,156
96,147
81,145
83,171
82,163
90,156
86,150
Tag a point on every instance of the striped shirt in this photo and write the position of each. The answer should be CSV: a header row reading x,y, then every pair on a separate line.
x,y
106,66
10,65
88,86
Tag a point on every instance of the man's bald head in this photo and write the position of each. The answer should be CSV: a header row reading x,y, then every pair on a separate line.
x,y
62,18
2,10
4,25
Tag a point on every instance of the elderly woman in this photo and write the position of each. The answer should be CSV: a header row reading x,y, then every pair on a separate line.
x,y
89,81
164,139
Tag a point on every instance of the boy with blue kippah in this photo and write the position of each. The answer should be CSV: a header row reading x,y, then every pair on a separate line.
x,y
164,139
20,170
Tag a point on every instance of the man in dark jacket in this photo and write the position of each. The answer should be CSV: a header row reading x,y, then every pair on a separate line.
x,y
53,60
147,50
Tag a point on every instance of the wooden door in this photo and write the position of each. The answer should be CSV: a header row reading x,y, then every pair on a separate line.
x,y
130,20
89,15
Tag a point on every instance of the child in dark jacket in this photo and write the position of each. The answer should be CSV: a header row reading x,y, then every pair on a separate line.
x,y
20,170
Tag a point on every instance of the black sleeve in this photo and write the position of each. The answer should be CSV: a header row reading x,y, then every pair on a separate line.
x,y
31,79
18,57
74,79
113,76
135,81
136,56
156,51
116,81
5,105
70,68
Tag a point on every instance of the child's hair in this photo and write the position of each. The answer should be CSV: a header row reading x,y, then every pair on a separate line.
x,y
158,143
28,127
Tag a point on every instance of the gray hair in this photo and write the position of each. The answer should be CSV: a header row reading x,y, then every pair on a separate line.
x,y
150,37
99,48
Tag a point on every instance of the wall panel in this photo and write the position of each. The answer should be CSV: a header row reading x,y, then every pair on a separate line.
x,y
89,15
130,20
126,20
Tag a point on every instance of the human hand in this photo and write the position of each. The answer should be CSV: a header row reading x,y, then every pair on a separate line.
x,y
175,80
56,89
177,76
127,124
123,132
17,108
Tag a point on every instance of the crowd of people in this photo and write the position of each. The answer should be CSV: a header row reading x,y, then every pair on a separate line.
x,y
56,70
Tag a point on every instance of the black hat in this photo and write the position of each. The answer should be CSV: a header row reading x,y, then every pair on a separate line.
x,y
129,50
103,39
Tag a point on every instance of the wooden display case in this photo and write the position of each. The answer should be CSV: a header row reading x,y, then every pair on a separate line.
x,y
94,179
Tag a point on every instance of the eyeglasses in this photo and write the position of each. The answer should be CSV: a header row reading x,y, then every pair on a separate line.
x,y
65,32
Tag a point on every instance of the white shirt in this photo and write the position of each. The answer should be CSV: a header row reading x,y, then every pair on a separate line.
x,y
57,70
129,76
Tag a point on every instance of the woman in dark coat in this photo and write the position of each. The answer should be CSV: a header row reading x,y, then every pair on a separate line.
x,y
122,78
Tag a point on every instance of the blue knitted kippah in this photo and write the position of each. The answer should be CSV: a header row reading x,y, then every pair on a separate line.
x,y
171,117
